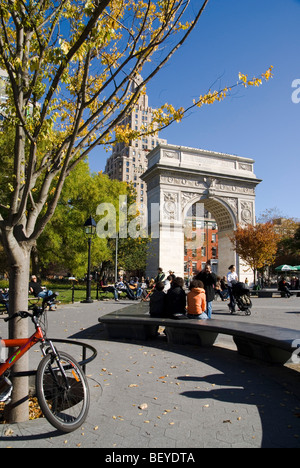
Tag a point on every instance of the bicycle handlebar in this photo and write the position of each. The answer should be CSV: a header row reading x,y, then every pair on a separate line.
x,y
24,314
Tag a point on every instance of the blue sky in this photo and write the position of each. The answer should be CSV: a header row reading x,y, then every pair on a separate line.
x,y
261,123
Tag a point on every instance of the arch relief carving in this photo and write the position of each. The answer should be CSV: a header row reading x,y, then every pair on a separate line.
x,y
171,206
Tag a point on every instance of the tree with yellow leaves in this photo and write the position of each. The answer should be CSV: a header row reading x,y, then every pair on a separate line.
x,y
70,66
256,245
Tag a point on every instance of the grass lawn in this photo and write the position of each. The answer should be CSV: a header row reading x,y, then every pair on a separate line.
x,y
65,291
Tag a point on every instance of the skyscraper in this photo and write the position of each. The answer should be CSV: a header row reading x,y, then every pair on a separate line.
x,y
128,162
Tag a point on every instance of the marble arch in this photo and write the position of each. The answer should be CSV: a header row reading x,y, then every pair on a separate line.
x,y
177,177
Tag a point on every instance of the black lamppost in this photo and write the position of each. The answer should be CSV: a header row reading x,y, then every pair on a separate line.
x,y
90,231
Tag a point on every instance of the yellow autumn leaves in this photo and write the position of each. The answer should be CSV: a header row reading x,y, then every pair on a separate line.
x,y
167,114
211,97
256,81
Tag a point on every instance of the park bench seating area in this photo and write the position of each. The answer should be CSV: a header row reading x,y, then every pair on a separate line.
x,y
274,292
264,342
31,301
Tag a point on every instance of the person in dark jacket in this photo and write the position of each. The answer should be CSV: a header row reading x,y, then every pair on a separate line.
x,y
158,301
209,279
283,287
48,296
160,275
4,299
176,298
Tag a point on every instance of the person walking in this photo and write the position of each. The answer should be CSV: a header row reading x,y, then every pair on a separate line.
x,y
232,278
209,279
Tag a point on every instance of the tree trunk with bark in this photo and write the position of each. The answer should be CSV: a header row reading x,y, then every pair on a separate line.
x,y
19,254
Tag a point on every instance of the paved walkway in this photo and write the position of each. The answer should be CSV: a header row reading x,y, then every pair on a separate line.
x,y
150,395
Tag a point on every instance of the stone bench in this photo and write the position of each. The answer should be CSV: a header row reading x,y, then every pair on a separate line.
x,y
265,342
271,292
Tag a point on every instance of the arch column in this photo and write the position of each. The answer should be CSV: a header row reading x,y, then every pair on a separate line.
x,y
166,248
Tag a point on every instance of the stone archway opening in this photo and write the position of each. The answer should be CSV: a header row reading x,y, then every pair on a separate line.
x,y
208,223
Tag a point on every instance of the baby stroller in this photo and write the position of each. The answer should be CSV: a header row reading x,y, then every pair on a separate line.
x,y
241,294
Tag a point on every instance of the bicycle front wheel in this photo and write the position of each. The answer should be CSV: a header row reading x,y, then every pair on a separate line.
x,y
62,391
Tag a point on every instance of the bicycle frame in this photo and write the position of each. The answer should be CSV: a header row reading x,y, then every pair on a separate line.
x,y
23,346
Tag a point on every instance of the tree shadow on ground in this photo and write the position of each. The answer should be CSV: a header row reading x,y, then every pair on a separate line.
x,y
272,390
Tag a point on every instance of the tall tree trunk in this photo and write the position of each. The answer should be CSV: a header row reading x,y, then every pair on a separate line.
x,y
35,261
18,328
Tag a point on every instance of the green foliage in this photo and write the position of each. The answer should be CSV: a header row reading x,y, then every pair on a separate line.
x,y
63,242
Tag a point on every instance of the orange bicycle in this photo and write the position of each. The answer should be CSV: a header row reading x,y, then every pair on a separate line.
x,y
61,385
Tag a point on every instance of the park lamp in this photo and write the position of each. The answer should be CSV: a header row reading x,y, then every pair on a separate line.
x,y
90,231
90,227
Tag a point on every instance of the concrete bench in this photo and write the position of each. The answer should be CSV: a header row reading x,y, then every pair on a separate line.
x,y
272,292
265,342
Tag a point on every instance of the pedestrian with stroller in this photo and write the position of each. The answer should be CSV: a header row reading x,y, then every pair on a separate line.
x,y
232,278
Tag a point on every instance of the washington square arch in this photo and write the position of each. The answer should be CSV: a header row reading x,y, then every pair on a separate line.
x,y
178,178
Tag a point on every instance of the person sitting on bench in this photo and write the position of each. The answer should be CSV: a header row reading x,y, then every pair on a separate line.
x,y
158,301
4,299
196,300
135,287
48,296
283,288
176,299
109,288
